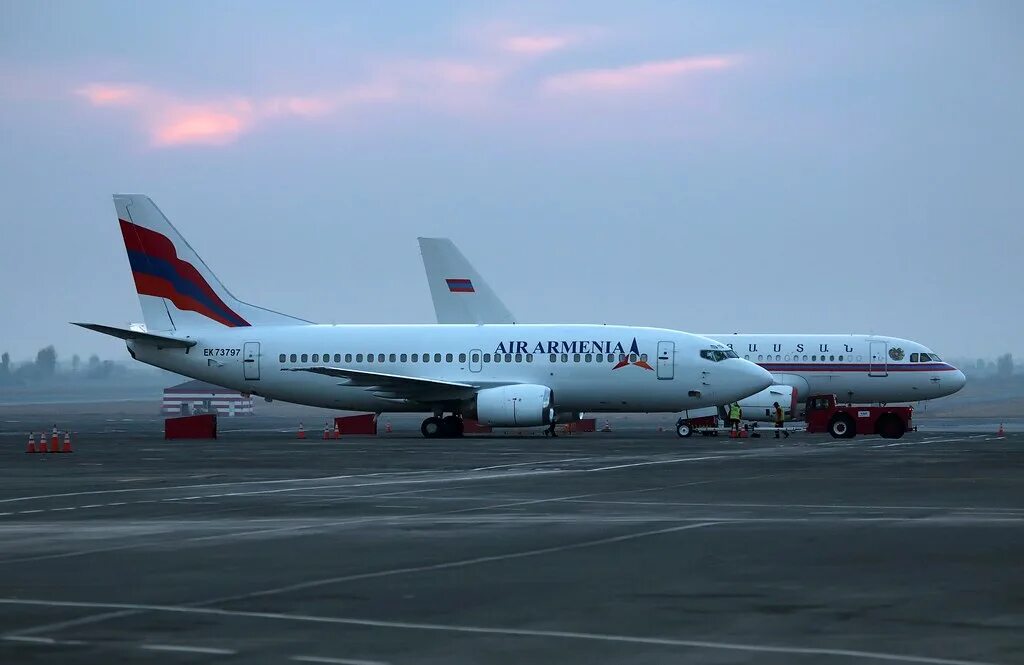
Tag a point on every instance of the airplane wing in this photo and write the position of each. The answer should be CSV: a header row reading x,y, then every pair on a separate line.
x,y
396,386
160,341
459,293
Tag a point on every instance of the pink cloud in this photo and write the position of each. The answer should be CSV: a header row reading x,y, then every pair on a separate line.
x,y
198,126
101,94
644,76
535,44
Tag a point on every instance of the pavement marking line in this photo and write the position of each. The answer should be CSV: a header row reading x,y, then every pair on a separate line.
x,y
459,563
184,648
449,476
29,638
338,661
511,632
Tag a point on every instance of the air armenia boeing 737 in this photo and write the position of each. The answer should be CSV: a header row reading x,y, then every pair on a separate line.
x,y
506,375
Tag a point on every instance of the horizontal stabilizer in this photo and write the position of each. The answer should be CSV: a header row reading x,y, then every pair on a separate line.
x,y
160,341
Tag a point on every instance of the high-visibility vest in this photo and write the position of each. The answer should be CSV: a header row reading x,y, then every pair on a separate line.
x,y
734,412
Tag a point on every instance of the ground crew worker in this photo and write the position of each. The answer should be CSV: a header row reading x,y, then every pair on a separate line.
x,y
780,419
735,413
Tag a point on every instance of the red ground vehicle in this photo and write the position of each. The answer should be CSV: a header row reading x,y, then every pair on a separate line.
x,y
846,422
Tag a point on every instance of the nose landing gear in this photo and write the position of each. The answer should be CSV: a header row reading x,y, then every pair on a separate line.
x,y
447,427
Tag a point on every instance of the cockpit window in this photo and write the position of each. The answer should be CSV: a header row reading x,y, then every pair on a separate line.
x,y
914,358
717,355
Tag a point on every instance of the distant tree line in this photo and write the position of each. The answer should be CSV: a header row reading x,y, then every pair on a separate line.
x,y
46,368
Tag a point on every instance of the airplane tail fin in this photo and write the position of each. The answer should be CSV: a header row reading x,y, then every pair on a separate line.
x,y
459,293
176,289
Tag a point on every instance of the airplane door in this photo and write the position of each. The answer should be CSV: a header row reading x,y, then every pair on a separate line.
x,y
666,360
475,362
251,361
878,359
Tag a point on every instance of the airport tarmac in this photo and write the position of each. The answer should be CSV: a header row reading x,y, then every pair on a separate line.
x,y
632,547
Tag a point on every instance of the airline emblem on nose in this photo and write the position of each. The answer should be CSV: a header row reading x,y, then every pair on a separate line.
x,y
634,352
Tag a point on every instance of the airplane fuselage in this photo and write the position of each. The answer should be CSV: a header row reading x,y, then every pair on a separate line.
x,y
856,368
588,368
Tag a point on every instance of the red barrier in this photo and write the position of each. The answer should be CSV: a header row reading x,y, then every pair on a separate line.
x,y
191,427
365,424
470,426
582,425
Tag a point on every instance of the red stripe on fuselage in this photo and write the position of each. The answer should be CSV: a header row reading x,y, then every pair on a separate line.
x,y
856,367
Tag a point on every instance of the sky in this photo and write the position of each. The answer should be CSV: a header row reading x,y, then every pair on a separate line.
x,y
718,167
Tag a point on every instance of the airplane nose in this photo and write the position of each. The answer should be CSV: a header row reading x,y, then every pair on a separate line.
x,y
959,380
749,379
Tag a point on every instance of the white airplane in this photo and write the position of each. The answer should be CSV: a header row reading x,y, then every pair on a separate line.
x,y
502,375
856,368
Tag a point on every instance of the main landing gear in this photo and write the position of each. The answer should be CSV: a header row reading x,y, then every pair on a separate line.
x,y
447,427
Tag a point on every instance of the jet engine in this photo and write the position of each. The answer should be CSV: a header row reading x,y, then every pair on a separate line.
x,y
521,405
760,406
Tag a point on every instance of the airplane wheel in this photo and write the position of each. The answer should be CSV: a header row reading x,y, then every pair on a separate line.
x,y
452,426
684,430
432,427
842,427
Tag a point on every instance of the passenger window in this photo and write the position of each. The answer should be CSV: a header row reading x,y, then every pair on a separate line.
x,y
426,357
281,358
788,356
508,357
840,359
476,357
588,357
327,357
292,358
462,357
359,357
746,357
305,357
529,357
437,357
565,357
380,357
599,357
760,357
316,357
643,357
554,357
415,357
403,358
814,357
369,357
392,358
519,357
575,357
632,357
805,356
611,357
348,357
487,357
831,358
497,357
448,357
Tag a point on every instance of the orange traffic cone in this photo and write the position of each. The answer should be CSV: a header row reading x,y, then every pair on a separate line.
x,y
337,431
1001,431
67,443
387,428
55,441
31,447
325,433
302,432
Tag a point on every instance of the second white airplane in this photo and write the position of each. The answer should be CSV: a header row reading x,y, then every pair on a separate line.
x,y
856,368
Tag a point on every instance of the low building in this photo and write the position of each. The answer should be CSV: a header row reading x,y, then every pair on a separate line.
x,y
192,397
